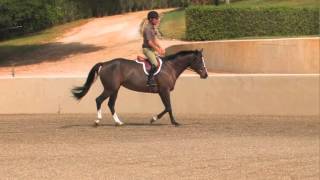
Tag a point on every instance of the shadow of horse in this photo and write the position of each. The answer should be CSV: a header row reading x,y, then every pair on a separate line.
x,y
111,125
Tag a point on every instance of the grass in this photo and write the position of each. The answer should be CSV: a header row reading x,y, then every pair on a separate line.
x,y
18,47
173,25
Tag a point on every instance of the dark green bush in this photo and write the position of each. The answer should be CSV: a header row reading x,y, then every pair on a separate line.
x,y
211,23
26,16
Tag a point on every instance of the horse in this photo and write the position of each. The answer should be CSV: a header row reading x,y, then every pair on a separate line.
x,y
129,74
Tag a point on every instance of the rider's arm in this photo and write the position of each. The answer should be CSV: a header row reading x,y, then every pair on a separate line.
x,y
158,44
154,45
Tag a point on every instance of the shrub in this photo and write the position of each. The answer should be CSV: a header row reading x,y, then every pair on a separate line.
x,y
211,23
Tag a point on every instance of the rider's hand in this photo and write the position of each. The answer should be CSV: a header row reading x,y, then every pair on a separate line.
x,y
162,52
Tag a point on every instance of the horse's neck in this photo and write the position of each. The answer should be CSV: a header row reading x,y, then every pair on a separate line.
x,y
181,64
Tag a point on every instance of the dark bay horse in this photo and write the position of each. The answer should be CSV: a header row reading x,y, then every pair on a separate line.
x,y
123,72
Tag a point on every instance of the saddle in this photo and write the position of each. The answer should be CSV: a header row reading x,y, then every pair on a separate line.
x,y
146,65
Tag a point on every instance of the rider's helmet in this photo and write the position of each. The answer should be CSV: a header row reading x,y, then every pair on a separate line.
x,y
153,14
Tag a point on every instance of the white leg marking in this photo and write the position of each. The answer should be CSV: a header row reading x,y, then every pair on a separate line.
x,y
155,118
117,120
97,121
99,114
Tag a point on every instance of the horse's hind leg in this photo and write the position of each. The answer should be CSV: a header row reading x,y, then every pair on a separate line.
x,y
99,100
111,104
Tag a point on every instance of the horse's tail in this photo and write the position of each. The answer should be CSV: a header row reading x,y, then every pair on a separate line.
x,y
80,91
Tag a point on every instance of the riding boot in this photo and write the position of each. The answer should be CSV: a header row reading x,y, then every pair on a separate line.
x,y
151,82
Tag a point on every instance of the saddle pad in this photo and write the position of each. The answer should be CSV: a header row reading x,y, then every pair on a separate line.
x,y
146,66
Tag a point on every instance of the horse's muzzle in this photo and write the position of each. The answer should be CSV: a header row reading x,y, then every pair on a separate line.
x,y
204,76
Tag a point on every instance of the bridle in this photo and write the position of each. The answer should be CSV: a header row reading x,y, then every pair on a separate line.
x,y
191,69
204,65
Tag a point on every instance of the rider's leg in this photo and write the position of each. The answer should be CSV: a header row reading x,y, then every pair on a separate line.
x,y
151,55
154,64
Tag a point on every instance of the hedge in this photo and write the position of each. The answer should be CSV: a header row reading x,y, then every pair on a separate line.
x,y
212,23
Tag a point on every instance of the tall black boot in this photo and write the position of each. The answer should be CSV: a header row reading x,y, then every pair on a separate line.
x,y
151,82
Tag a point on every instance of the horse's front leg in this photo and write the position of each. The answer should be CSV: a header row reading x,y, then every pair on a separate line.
x,y
165,98
159,116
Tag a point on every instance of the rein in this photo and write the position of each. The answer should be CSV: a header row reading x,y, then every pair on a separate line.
x,y
191,70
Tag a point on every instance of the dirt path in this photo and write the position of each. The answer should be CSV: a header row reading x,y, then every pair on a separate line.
x,y
99,40
68,147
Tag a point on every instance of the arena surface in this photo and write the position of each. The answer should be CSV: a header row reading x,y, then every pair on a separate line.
x,y
215,147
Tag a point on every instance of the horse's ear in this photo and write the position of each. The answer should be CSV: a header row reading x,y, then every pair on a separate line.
x,y
201,50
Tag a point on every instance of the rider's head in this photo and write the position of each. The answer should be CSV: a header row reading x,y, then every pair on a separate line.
x,y
153,17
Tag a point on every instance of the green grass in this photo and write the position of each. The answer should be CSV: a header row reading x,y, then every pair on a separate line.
x,y
173,25
20,46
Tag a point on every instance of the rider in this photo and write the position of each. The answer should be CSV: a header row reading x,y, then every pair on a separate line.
x,y
151,45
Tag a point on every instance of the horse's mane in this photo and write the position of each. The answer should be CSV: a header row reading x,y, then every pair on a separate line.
x,y
180,53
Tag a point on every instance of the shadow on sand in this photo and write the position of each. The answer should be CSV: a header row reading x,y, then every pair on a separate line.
x,y
32,54
112,125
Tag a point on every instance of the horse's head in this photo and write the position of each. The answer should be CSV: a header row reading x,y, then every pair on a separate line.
x,y
198,64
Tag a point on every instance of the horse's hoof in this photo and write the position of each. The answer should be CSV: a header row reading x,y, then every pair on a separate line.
x,y
153,120
119,124
176,124
96,123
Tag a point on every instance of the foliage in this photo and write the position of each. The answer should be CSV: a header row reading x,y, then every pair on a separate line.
x,y
25,16
224,22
